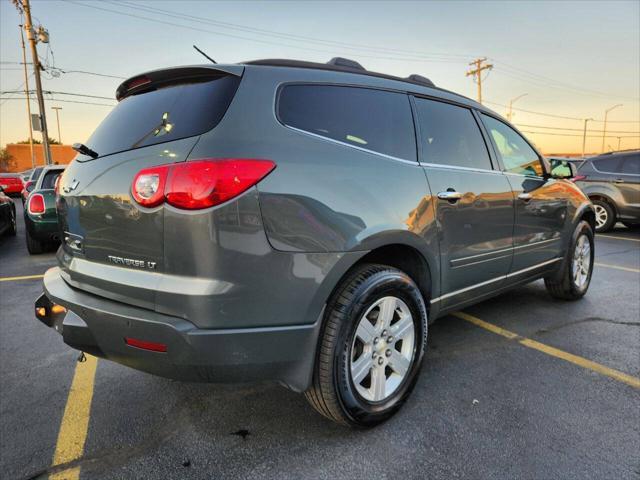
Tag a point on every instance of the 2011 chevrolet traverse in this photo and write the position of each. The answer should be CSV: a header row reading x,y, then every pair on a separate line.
x,y
301,223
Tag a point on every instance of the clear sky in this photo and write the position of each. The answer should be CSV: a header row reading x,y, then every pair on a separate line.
x,y
572,59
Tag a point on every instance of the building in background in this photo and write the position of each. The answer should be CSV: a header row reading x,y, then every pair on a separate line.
x,y
21,156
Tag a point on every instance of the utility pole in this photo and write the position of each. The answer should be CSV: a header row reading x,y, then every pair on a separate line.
x,y
28,26
26,93
477,72
584,135
619,139
604,129
511,102
57,109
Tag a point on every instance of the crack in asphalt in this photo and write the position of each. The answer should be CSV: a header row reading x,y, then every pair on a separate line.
x,y
586,320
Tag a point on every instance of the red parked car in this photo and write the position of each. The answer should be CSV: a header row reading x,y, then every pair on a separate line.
x,y
11,183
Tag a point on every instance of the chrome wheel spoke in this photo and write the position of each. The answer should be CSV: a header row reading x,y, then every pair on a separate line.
x,y
378,384
402,327
361,367
365,331
387,311
399,363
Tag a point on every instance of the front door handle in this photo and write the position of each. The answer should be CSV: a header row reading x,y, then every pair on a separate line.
x,y
450,195
525,197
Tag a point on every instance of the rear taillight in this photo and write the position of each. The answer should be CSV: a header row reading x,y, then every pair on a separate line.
x,y
199,183
36,204
578,178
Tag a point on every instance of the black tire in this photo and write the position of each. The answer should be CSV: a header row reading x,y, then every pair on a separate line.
x,y
333,392
608,211
562,285
13,230
34,246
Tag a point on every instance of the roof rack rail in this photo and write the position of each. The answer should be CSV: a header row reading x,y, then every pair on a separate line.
x,y
345,62
420,79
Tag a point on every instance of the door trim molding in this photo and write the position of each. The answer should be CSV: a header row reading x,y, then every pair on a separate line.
x,y
493,280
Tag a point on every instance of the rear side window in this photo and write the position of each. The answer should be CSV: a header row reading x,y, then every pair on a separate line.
x,y
373,119
451,136
517,155
631,165
36,174
608,165
163,115
49,179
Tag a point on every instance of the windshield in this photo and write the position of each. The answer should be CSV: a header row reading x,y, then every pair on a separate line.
x,y
163,115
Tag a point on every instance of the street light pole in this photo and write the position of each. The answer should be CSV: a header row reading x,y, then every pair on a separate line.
x,y
57,109
28,26
511,102
584,134
604,129
26,93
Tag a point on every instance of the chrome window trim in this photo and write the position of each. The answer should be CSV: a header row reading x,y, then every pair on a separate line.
x,y
384,155
455,167
493,280
593,165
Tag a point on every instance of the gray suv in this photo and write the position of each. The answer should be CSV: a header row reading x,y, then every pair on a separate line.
x,y
301,223
612,182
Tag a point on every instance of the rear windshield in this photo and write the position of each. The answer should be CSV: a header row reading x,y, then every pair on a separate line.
x,y
163,115
49,179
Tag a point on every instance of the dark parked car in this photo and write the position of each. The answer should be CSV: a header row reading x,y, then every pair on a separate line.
x,y
11,183
8,224
612,182
285,221
40,216
31,183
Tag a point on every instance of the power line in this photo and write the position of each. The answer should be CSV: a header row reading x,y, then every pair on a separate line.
x,y
564,117
571,129
62,70
577,135
280,44
50,92
65,101
287,36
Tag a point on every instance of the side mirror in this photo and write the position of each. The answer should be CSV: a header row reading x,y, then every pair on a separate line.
x,y
562,169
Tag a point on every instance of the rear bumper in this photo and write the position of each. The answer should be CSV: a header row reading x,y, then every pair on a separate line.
x,y
99,326
43,228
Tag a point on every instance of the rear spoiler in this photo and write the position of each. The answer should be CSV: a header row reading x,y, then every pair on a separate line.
x,y
154,79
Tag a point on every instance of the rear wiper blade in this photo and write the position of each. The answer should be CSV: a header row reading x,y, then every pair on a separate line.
x,y
84,150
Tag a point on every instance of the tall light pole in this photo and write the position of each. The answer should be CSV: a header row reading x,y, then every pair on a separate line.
x,y
26,93
57,109
619,139
511,102
28,26
604,129
584,134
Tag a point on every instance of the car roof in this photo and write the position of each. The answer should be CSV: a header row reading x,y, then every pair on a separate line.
x,y
9,174
623,153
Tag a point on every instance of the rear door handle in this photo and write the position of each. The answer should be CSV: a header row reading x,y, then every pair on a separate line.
x,y
452,196
525,197
619,180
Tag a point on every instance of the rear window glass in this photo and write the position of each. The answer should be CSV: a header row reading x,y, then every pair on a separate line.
x,y
49,179
164,115
372,119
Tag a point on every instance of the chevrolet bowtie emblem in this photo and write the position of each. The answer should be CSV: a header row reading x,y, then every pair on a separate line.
x,y
72,186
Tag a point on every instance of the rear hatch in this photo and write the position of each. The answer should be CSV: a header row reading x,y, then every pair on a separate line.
x,y
112,246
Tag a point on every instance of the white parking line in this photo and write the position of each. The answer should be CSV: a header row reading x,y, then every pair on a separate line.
x,y
618,238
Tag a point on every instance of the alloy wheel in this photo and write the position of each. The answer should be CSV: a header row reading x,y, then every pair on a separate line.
x,y
581,261
601,216
383,349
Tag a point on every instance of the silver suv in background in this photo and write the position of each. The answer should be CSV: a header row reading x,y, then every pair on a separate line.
x,y
612,182
301,223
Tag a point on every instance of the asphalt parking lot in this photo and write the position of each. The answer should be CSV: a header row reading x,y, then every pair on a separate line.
x,y
560,400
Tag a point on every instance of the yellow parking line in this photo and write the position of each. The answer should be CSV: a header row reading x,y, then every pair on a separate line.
x,y
617,267
618,238
24,277
75,422
554,352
